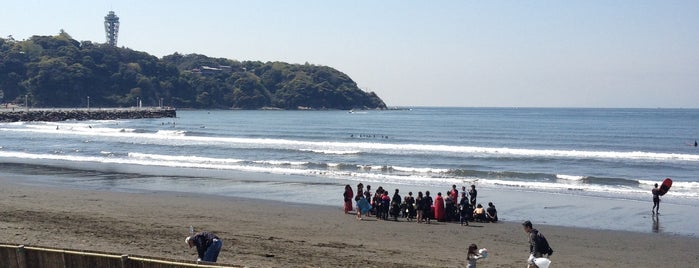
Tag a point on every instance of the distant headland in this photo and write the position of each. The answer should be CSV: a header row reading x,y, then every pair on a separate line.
x,y
61,72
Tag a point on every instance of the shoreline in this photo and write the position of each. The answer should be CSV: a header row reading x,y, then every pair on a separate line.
x,y
514,205
267,233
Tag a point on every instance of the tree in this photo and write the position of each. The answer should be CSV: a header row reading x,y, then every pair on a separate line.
x,y
58,71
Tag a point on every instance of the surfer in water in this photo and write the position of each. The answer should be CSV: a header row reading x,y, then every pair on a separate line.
x,y
656,199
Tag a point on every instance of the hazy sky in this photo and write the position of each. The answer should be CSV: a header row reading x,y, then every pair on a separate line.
x,y
421,53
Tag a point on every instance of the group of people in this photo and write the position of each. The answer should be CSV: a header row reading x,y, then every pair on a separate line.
x,y
423,208
443,208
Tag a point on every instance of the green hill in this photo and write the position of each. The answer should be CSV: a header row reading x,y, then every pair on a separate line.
x,y
58,71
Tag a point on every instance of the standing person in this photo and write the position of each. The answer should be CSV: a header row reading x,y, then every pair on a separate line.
x,y
348,195
428,207
385,205
376,202
420,206
439,207
395,205
367,195
538,245
656,199
449,206
472,256
208,245
410,203
464,213
363,206
454,212
463,191
360,190
473,193
454,193
362,203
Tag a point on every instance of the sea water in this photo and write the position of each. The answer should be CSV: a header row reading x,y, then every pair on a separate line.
x,y
574,167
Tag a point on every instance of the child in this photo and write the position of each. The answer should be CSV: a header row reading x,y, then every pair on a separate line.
x,y
472,256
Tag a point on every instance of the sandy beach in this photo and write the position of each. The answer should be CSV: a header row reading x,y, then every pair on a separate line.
x,y
258,233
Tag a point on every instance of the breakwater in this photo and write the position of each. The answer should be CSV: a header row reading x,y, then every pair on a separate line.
x,y
54,115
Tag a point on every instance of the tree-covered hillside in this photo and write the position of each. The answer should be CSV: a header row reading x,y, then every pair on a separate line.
x,y
58,71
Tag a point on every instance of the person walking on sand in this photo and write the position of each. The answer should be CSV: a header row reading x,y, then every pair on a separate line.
x,y
538,245
656,200
208,245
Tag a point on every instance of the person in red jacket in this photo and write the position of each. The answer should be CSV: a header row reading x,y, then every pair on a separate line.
x,y
439,207
348,195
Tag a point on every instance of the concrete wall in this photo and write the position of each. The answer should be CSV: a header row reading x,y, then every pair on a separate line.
x,y
53,115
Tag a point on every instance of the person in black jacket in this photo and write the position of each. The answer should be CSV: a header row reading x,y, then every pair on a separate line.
x,y
538,245
491,214
208,245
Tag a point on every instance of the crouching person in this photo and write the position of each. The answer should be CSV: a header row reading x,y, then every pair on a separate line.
x,y
208,245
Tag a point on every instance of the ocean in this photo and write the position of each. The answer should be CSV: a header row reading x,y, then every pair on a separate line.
x,y
591,168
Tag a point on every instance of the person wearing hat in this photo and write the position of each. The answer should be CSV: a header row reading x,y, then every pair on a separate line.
x,y
208,245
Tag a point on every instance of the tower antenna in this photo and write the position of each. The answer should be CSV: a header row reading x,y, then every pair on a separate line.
x,y
111,28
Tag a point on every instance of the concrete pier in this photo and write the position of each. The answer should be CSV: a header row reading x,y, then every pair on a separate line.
x,y
54,115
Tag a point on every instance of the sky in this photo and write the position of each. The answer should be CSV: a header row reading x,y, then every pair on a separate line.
x,y
600,54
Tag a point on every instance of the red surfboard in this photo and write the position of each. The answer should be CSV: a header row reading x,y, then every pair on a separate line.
x,y
667,183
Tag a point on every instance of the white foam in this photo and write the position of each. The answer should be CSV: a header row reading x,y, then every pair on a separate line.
x,y
171,132
385,148
380,175
570,177
419,170
182,158
336,152
675,184
279,162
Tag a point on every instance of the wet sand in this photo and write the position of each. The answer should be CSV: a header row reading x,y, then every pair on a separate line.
x,y
259,233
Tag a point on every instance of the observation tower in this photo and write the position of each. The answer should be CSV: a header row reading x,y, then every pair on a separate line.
x,y
111,28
